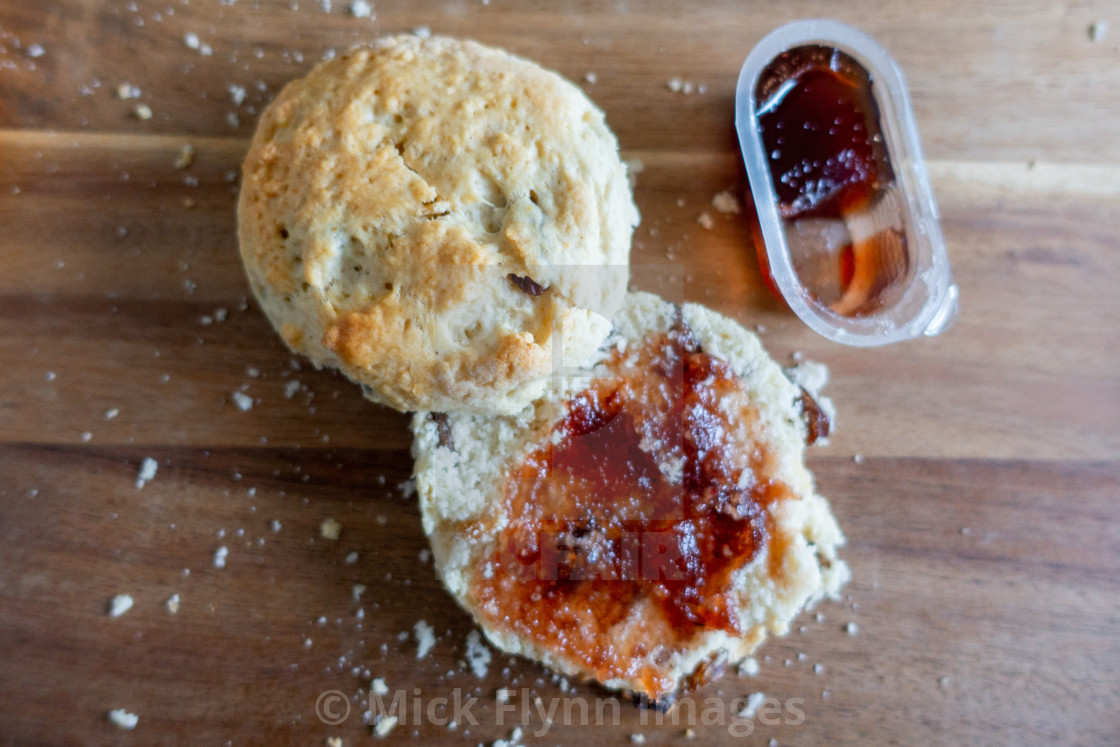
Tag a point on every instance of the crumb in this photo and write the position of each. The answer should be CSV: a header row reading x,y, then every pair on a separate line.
x,y
591,77
357,591
634,166
236,94
378,686
425,638
361,9
407,488
352,558
943,683
123,719
818,669
725,202
36,50
308,643
127,91
119,605
637,739
857,458
705,221
749,667
172,604
243,401
185,158
384,726
290,388
422,32
86,437
111,413
425,555
330,529
147,471
142,111
689,734
275,525
754,700
478,655
220,556
334,741
851,629
674,85
1098,31
503,694
191,40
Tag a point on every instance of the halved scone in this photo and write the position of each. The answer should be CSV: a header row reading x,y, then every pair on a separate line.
x,y
647,522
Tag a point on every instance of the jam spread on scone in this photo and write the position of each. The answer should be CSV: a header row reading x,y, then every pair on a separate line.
x,y
628,522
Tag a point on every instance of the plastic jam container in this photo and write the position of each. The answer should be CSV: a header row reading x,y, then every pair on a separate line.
x,y
845,211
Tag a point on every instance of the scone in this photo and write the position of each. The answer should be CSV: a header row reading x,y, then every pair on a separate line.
x,y
643,525
446,223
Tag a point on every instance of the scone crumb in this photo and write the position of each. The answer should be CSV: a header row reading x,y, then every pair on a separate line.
x,y
147,471
425,638
352,557
330,529
119,605
220,556
127,91
172,604
191,40
334,741
111,413
378,686
123,719
1098,31
705,221
754,700
243,401
142,111
689,733
384,726
851,629
503,694
357,591
637,739
725,202
477,655
185,157
749,667
361,9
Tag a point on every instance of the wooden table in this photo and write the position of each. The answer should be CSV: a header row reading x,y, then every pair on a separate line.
x,y
983,516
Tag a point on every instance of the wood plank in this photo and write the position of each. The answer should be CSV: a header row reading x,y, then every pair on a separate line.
x,y
966,574
1033,367
990,81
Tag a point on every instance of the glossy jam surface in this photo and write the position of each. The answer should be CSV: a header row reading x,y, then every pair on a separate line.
x,y
627,523
832,176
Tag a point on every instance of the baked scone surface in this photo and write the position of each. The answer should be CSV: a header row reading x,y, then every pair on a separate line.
x,y
643,525
438,219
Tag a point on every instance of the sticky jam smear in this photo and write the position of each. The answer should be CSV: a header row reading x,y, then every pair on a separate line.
x,y
627,523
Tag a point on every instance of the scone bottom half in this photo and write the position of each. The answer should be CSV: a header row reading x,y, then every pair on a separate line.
x,y
645,525
445,223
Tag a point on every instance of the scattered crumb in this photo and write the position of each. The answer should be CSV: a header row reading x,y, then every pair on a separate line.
x,y
851,629
220,556
422,32
352,558
637,739
357,591
172,604
142,111
407,488
943,683
378,686
503,694
111,413
186,157
591,77
754,700
383,727
857,458
634,166
275,525
236,94
478,655
290,388
191,40
818,669
36,50
119,605
308,643
123,719
334,741
146,472
127,91
725,202
243,401
87,436
749,667
1098,31
330,529
361,9
425,638
425,555
689,734
705,221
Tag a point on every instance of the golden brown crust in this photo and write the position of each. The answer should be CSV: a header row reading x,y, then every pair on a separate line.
x,y
388,196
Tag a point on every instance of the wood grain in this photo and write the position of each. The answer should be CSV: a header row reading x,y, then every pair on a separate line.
x,y
982,521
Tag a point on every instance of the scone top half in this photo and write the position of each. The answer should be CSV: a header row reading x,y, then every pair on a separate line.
x,y
446,223
647,523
